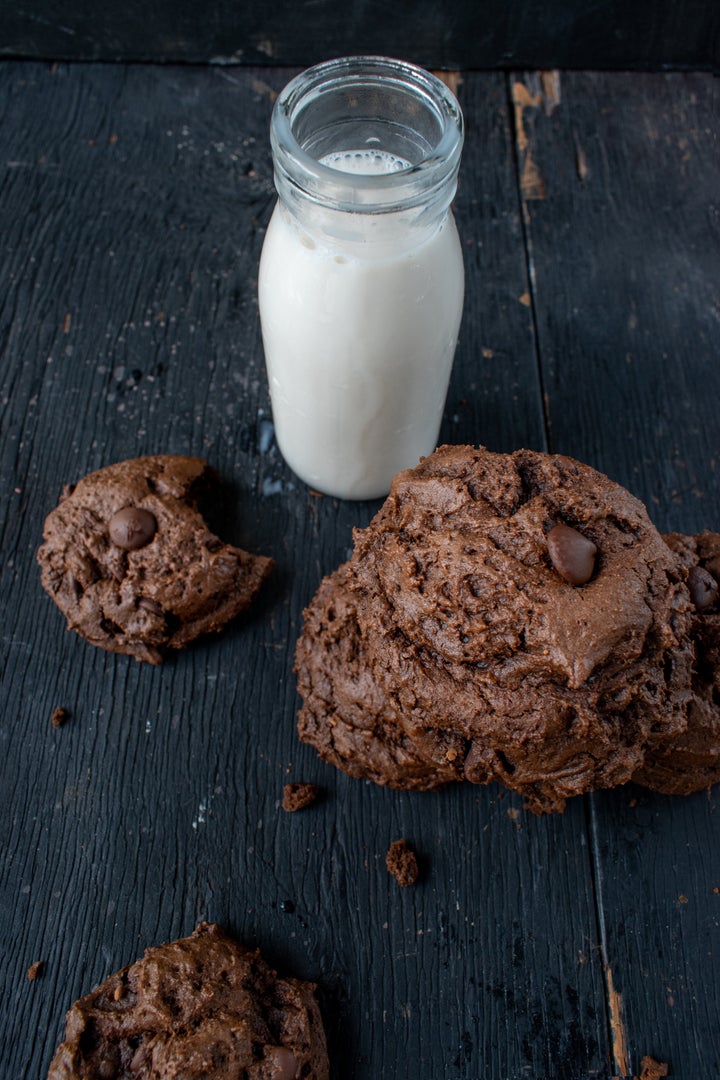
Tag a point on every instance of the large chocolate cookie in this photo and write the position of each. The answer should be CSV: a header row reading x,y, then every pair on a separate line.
x,y
691,761
521,619
131,563
201,1007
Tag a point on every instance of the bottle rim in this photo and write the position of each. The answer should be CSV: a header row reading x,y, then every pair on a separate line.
x,y
297,169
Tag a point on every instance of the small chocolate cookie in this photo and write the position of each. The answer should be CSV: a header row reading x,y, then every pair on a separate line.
x,y
201,1007
504,616
132,565
691,761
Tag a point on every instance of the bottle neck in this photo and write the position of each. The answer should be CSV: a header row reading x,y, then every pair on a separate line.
x,y
367,137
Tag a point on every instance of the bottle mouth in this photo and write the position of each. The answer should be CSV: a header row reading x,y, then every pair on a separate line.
x,y
367,134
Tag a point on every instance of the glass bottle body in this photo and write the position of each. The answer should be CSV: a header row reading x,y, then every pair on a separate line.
x,y
361,275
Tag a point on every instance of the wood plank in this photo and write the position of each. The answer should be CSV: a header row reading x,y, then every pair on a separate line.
x,y
498,34
620,183
628,326
133,202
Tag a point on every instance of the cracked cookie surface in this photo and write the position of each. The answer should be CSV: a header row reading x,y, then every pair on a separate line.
x,y
690,761
204,1007
132,564
471,649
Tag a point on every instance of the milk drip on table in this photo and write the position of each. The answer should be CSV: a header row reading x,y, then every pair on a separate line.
x,y
361,275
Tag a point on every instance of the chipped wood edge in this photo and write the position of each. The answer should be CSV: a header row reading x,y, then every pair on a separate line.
x,y
452,79
547,96
617,1027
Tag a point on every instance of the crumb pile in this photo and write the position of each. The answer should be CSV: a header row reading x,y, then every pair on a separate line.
x,y
131,563
511,617
203,1006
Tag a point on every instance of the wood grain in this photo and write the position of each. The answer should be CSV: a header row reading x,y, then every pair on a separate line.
x,y
621,247
133,202
498,34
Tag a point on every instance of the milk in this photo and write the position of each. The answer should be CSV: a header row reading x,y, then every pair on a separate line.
x,y
360,315
365,162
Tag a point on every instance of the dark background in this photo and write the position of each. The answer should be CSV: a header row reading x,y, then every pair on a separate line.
x,y
610,34
133,203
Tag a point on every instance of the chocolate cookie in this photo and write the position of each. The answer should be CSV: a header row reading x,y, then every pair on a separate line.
x,y
691,761
201,1007
132,565
347,715
519,618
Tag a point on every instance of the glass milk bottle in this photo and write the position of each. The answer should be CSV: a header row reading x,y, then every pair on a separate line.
x,y
361,276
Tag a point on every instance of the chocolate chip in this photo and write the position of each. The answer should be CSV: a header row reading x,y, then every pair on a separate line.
x,y
213,544
150,605
132,528
282,1062
572,554
703,587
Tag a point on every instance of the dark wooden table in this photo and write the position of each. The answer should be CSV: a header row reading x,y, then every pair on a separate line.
x,y
133,201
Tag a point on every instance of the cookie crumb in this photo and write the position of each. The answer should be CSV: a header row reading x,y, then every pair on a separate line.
x,y
119,992
59,716
35,969
298,796
401,862
650,1069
